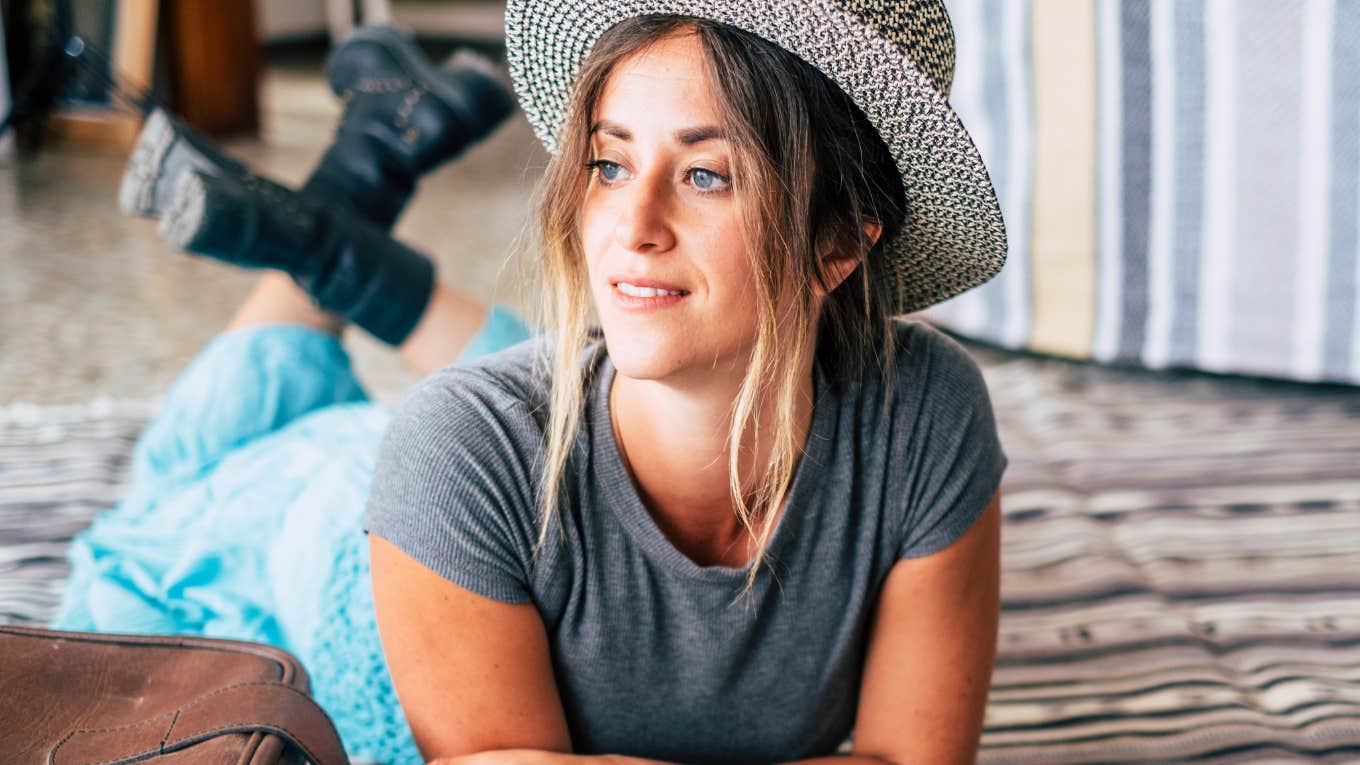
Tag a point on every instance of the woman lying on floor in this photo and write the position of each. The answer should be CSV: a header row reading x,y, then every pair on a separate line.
x,y
752,514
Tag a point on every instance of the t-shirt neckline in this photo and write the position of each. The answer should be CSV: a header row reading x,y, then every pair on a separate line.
x,y
622,496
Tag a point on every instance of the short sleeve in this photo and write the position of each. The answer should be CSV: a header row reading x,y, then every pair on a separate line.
x,y
954,449
453,485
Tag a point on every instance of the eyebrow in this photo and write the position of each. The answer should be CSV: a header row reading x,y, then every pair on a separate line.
x,y
686,136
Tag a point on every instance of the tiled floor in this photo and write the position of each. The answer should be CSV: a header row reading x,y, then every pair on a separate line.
x,y
94,304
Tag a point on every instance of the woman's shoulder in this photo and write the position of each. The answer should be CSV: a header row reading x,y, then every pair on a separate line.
x,y
455,481
507,378
946,439
507,389
931,363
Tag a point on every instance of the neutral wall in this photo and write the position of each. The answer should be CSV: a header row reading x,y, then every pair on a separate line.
x,y
282,19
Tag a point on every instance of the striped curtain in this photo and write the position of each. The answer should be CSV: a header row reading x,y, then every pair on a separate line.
x,y
1178,177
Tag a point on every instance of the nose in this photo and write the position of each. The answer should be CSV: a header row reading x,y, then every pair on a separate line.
x,y
643,216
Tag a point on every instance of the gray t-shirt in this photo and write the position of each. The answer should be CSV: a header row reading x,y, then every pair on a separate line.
x,y
649,657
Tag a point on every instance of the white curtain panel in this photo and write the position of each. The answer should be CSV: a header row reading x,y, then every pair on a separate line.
x,y
1180,181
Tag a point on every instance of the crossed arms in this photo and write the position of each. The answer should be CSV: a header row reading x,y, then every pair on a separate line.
x,y
494,700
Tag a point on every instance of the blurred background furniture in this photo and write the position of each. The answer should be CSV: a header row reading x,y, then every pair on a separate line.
x,y
1180,181
90,68
213,58
79,68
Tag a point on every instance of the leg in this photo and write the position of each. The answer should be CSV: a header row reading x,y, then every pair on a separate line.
x,y
277,300
451,319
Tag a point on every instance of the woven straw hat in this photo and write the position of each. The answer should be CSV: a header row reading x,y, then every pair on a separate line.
x,y
895,58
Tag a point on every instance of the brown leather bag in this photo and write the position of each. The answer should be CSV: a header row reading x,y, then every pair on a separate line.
x,y
82,698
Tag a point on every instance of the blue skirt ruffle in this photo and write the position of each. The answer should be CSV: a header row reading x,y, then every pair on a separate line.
x,y
242,520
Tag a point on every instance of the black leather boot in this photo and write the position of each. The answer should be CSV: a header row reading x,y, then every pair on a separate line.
x,y
349,266
403,117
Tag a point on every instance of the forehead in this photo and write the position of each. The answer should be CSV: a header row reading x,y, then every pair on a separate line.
x,y
662,85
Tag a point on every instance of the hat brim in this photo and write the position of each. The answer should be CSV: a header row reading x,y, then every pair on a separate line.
x,y
953,238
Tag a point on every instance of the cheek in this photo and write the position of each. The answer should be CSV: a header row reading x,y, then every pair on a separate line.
x,y
730,266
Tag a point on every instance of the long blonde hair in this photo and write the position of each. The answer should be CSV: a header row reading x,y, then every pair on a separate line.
x,y
808,172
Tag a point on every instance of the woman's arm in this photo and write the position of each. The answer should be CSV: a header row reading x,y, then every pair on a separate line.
x,y
473,674
924,691
932,646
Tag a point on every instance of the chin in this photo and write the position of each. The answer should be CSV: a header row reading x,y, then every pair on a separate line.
x,y
642,357
677,357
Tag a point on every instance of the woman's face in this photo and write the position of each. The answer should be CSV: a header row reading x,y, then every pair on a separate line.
x,y
668,269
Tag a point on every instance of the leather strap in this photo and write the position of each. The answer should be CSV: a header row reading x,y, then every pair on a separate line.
x,y
268,706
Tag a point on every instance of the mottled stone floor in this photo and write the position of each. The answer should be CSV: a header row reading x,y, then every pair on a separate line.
x,y
93,303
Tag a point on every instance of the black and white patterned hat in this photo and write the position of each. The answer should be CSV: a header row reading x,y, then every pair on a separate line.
x,y
895,58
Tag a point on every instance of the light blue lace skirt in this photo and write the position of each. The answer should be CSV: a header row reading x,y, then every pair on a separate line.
x,y
242,519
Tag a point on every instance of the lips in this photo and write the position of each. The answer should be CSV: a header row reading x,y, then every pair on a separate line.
x,y
632,290
636,293
635,284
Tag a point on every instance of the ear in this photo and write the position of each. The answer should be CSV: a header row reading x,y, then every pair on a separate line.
x,y
872,231
838,269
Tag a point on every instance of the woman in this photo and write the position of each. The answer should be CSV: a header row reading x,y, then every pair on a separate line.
x,y
571,557
579,563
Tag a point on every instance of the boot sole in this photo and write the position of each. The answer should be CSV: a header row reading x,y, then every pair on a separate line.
x,y
137,192
180,224
146,167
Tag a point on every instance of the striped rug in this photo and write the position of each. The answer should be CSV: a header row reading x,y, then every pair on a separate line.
x,y
59,467
1181,557
1181,567
1180,180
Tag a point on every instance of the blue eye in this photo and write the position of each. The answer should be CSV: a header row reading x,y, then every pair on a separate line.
x,y
609,171
707,180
